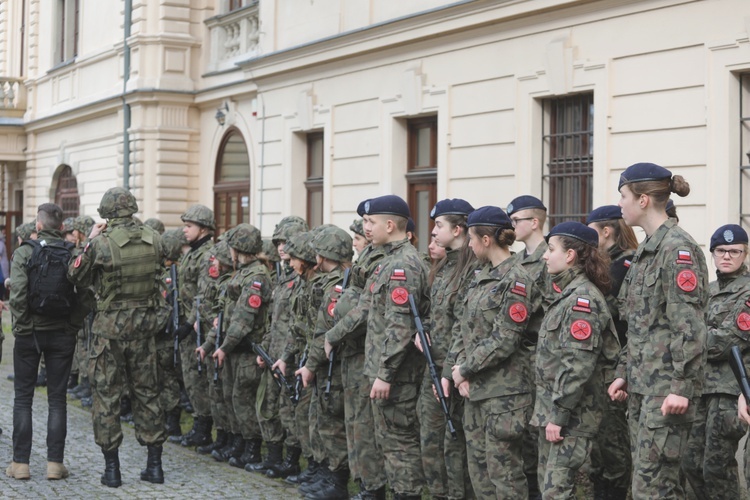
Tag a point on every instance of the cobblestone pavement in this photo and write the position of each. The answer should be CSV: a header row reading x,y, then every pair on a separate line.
x,y
187,474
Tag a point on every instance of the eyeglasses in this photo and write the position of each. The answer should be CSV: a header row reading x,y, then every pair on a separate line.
x,y
519,219
721,252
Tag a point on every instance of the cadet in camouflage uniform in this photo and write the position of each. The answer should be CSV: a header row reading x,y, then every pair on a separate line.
x,y
663,299
710,463
123,262
67,230
333,249
246,312
359,241
173,241
445,478
193,280
528,215
493,370
348,336
577,345
610,455
393,364
155,224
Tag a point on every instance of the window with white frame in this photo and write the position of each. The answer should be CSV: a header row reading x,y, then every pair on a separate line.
x,y
68,26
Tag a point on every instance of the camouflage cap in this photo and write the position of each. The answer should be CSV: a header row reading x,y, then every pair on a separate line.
x,y
245,238
270,251
24,231
222,253
155,224
200,214
117,202
173,241
67,225
333,243
83,224
357,227
298,247
283,233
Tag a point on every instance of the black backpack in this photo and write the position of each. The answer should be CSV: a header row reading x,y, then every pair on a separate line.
x,y
50,293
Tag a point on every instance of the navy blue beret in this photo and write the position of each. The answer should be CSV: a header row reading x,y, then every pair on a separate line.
x,y
489,216
389,204
451,207
410,227
641,172
361,207
670,205
729,234
575,230
606,212
524,203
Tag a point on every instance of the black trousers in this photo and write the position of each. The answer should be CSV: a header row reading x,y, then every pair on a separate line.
x,y
58,348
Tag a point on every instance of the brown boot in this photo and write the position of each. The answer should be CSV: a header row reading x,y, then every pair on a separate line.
x,y
18,471
56,470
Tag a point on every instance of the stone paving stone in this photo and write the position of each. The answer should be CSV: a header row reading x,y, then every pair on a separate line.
x,y
187,474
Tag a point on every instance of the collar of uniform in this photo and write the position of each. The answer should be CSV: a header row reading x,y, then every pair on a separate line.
x,y
451,255
727,280
500,270
120,221
395,245
564,279
49,234
652,243
199,243
537,255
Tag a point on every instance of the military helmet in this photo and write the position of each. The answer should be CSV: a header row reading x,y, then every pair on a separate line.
x,y
83,224
24,231
200,214
357,227
155,224
67,225
173,241
245,238
283,233
117,202
222,253
333,243
293,219
270,251
298,247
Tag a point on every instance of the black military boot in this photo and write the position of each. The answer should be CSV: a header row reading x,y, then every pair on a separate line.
x,y
200,434
273,457
82,390
72,381
290,465
404,496
173,422
221,441
251,455
316,482
234,448
111,476
378,494
334,487
153,472
306,475
616,493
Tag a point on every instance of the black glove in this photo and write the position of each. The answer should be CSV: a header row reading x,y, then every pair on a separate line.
x,y
184,330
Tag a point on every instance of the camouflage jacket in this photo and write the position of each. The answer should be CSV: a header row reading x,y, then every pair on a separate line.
x,y
278,336
442,305
459,310
728,322
137,318
352,307
247,319
212,304
317,360
536,268
619,264
496,315
307,295
663,299
390,354
194,277
575,356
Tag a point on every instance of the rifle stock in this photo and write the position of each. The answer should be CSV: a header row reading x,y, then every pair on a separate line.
x,y
198,332
738,367
278,375
332,356
174,293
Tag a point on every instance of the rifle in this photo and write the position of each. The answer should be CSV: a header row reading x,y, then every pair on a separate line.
x,y
431,363
175,323
332,356
298,381
278,376
198,332
217,343
738,367
278,272
90,324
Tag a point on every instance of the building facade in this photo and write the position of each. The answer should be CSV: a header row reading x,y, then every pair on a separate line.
x,y
262,109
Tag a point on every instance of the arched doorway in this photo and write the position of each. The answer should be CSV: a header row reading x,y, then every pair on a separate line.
x,y
232,182
66,193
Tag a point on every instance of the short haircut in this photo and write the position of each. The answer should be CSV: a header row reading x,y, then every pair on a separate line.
x,y
50,216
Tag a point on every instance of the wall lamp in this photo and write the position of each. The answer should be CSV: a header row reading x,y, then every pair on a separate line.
x,y
221,114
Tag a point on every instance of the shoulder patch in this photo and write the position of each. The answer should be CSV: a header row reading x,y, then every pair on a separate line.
x,y
582,305
257,285
743,321
331,307
687,281
77,263
627,263
338,288
518,312
212,272
400,295
254,301
684,257
580,329
398,275
519,289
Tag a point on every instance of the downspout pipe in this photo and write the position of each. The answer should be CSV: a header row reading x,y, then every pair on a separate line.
x,y
125,106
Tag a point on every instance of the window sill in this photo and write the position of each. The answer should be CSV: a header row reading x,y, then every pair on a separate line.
x,y
61,65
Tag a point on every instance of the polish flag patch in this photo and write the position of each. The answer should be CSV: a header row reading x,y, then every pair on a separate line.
x,y
338,289
627,263
398,275
684,257
582,305
257,285
519,289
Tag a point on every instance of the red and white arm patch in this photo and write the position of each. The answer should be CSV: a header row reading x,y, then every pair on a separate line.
x,y
686,280
519,289
254,301
518,312
580,329
743,321
400,295
582,305
398,275
331,307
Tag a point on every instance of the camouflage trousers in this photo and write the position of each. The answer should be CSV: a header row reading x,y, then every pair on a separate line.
x,y
709,463
559,463
657,442
196,384
241,378
166,373
267,408
81,355
456,462
494,437
316,441
365,458
397,435
531,451
331,426
110,361
287,411
432,428
219,406
611,462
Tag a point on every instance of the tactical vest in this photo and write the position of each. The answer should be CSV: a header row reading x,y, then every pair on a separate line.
x,y
133,280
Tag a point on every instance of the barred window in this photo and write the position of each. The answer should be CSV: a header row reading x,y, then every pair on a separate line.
x,y
421,175
66,193
744,152
568,138
314,181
